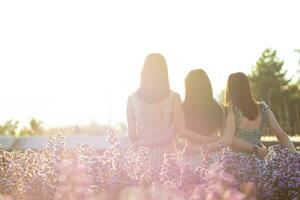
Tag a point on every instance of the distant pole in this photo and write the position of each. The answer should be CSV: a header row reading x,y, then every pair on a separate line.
x,y
109,107
109,104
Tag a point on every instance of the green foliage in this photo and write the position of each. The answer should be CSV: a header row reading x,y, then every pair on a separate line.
x,y
35,127
270,84
298,51
25,132
11,128
268,79
121,128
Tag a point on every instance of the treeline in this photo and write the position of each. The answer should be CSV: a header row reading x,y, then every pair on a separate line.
x,y
270,83
35,127
11,127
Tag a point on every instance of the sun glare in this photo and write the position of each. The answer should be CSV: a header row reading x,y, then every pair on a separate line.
x,y
67,62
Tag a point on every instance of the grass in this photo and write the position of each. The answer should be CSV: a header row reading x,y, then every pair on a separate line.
x,y
272,138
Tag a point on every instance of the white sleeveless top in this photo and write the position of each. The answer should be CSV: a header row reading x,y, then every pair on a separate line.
x,y
153,120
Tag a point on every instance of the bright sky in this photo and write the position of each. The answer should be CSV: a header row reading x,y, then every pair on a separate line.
x,y
60,59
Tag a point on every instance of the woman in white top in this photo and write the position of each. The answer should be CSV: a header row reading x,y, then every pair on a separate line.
x,y
152,110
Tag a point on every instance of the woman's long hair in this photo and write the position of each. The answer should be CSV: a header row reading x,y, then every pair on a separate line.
x,y
238,94
154,85
199,102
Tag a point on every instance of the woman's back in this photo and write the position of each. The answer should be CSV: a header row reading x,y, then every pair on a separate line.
x,y
206,123
152,119
203,115
248,124
200,125
251,130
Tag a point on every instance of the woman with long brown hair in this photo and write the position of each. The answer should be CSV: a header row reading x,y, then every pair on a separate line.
x,y
252,117
154,112
205,116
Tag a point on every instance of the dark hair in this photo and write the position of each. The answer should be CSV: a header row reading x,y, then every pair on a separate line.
x,y
199,101
154,84
238,94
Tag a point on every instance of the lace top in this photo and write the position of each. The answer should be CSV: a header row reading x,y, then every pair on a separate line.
x,y
254,135
155,122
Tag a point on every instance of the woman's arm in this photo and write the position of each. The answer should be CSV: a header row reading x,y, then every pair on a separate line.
x,y
229,130
158,140
180,126
244,146
131,121
235,142
239,145
282,137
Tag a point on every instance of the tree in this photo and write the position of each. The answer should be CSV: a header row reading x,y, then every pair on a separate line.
x,y
269,83
268,78
35,127
294,107
9,128
298,51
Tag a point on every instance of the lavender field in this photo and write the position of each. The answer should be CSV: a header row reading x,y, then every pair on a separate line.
x,y
59,171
